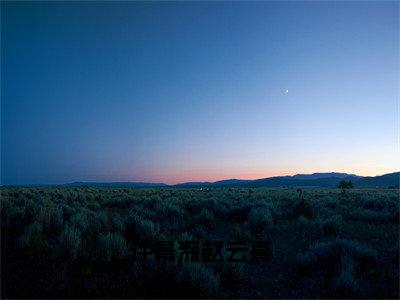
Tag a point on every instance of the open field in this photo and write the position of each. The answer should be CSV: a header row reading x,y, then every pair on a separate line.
x,y
80,242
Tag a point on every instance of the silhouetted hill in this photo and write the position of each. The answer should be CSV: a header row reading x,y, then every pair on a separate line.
x,y
193,184
324,175
117,184
387,180
323,180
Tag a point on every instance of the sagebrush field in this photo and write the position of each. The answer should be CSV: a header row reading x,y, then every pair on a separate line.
x,y
76,242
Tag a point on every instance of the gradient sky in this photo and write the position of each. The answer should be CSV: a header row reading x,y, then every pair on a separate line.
x,y
172,92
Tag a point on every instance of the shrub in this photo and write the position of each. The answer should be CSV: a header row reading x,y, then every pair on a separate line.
x,y
344,284
331,225
303,221
147,230
13,217
332,251
344,185
305,208
238,214
94,206
50,216
373,205
259,220
111,246
275,207
115,223
80,221
140,229
331,204
168,211
325,213
199,280
205,218
68,211
221,212
32,239
372,216
231,273
98,221
118,203
71,241
240,232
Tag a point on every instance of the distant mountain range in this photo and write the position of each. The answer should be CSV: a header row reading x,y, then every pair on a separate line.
x,y
327,180
116,184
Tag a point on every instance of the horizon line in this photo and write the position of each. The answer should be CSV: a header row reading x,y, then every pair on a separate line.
x,y
183,182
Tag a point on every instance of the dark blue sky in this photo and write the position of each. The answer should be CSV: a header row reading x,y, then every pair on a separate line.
x,y
173,91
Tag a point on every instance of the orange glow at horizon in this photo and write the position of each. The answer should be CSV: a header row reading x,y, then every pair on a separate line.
x,y
204,175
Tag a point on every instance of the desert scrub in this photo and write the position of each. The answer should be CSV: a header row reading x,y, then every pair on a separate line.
x,y
50,216
344,284
118,202
111,246
98,221
332,251
305,208
140,229
238,213
71,241
94,206
80,221
32,240
331,225
303,221
335,263
371,216
168,211
115,223
231,273
259,220
239,232
325,213
204,218
13,217
275,207
199,280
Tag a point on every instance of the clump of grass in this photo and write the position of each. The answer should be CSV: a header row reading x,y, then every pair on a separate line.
x,y
137,228
32,239
205,218
344,284
331,252
98,221
238,213
80,220
115,223
71,241
331,225
94,206
325,213
338,261
199,280
303,221
168,211
111,246
305,208
147,230
13,217
231,273
372,216
240,232
259,220
50,216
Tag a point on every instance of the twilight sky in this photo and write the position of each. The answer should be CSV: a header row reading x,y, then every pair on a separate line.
x,y
172,91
